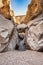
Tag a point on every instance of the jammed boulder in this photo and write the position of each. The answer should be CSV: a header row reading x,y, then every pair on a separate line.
x,y
21,27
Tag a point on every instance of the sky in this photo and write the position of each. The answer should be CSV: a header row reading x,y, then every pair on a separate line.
x,y
20,6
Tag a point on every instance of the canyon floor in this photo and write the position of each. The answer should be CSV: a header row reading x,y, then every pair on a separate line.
x,y
21,58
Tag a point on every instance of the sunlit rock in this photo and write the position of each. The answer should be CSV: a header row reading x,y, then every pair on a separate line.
x,y
5,9
19,19
35,8
1,4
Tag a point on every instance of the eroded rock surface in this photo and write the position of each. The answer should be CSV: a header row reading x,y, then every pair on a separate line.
x,y
6,28
22,36
34,9
34,35
1,4
5,8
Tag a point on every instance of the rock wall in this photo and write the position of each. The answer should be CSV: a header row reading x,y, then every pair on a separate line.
x,y
1,4
5,8
34,9
27,36
19,19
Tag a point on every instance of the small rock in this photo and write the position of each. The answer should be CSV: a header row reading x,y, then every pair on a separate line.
x,y
21,35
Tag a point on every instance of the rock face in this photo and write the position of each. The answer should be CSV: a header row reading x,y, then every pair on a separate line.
x,y
5,8
13,16
13,41
34,9
1,4
19,19
6,28
34,35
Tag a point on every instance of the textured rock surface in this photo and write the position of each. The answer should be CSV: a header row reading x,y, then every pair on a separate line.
x,y
6,28
21,58
5,8
1,4
19,19
13,41
34,9
34,35
21,26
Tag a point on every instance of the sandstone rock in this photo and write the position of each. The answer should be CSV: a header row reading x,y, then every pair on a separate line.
x,y
21,27
13,41
4,38
35,8
21,33
19,19
13,16
6,28
34,36
35,21
34,33
7,24
31,43
1,4
5,9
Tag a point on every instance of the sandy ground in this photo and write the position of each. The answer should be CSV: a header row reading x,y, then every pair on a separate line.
x,y
21,58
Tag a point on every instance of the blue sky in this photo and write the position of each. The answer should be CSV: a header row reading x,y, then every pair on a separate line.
x,y
20,6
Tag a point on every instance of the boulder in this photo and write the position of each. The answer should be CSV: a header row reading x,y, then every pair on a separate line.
x,y
21,27
21,34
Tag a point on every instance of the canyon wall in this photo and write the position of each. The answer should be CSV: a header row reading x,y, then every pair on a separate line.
x,y
5,8
34,9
